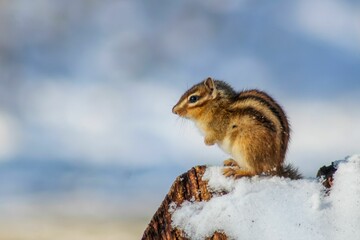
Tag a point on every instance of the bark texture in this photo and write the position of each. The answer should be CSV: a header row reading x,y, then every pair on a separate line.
x,y
188,186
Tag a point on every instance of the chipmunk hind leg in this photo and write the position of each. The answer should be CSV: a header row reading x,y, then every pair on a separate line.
x,y
262,151
254,152
237,172
230,163
237,167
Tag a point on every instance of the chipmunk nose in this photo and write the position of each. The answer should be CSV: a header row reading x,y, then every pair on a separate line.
x,y
175,110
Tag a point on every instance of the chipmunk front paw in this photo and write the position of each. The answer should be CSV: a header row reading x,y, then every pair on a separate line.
x,y
209,140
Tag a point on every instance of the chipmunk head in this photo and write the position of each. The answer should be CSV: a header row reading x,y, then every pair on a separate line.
x,y
193,100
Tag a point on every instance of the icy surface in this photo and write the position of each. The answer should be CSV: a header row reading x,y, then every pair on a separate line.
x,y
276,208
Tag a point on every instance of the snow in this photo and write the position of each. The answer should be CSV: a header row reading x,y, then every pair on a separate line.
x,y
276,208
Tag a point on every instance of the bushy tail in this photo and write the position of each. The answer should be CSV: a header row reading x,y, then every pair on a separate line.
x,y
289,171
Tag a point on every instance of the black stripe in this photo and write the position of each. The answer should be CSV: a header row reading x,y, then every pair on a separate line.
x,y
257,116
273,109
276,111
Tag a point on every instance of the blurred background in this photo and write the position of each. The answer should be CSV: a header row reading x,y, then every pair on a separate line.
x,y
88,144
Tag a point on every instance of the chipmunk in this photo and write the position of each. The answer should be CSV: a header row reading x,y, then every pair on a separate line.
x,y
248,125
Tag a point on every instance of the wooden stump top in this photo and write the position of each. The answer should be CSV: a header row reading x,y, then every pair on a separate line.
x,y
187,187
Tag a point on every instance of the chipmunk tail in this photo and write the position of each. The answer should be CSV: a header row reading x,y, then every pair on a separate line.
x,y
289,171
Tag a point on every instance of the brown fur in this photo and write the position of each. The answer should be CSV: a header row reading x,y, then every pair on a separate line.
x,y
248,125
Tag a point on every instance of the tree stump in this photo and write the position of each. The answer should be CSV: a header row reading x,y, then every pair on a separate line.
x,y
187,187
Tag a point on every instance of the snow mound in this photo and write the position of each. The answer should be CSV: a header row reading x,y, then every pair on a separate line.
x,y
276,208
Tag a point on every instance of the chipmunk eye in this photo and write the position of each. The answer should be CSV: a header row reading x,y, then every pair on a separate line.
x,y
193,98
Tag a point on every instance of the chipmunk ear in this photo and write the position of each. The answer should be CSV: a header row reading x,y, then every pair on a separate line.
x,y
210,86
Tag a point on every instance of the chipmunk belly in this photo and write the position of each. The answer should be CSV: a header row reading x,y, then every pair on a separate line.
x,y
227,146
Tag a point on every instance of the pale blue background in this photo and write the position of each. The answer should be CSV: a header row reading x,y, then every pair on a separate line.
x,y
87,87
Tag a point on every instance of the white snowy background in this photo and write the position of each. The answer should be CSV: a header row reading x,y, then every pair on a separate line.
x,y
87,87
276,208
